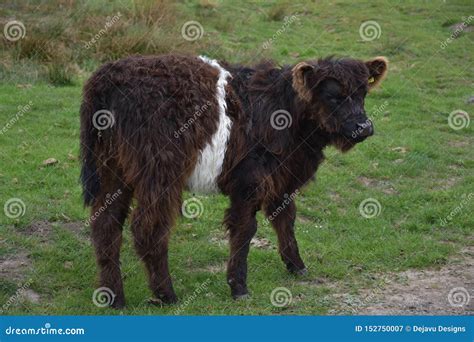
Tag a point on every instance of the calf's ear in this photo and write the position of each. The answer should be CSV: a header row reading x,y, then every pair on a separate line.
x,y
302,73
377,70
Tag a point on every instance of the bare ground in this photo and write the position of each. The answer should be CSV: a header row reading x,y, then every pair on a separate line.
x,y
445,291
44,229
15,267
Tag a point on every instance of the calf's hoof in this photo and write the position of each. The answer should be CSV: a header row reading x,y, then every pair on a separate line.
x,y
242,297
297,271
302,272
160,302
155,302
238,290
161,299
118,303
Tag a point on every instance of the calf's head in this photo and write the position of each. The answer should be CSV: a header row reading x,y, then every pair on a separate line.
x,y
333,92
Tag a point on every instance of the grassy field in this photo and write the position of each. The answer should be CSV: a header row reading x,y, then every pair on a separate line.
x,y
417,166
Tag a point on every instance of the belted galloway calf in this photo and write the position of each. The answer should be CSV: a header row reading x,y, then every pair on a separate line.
x,y
152,127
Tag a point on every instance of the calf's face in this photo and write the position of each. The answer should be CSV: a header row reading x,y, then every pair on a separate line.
x,y
334,91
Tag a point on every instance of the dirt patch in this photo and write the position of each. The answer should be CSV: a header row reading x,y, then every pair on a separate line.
x,y
334,196
314,282
220,239
446,184
218,268
400,149
44,229
13,268
460,27
76,227
458,143
261,243
454,167
303,219
29,295
385,186
39,229
447,291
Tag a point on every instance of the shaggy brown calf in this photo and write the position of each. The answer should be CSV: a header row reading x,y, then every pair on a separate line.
x,y
152,127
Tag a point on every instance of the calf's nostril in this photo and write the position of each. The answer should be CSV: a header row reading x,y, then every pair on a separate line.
x,y
365,128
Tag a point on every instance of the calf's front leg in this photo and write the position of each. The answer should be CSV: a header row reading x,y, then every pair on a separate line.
x,y
242,224
282,216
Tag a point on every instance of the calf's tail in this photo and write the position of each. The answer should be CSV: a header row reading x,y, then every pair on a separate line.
x,y
89,135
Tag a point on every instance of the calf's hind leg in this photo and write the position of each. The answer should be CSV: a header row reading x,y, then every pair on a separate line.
x,y
151,226
107,217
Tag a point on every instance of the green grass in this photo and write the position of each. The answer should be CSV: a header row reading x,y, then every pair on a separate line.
x,y
416,166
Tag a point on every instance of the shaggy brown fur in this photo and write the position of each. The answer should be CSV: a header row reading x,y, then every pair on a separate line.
x,y
151,98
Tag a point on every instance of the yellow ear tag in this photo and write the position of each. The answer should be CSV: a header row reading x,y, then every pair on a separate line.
x,y
371,80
